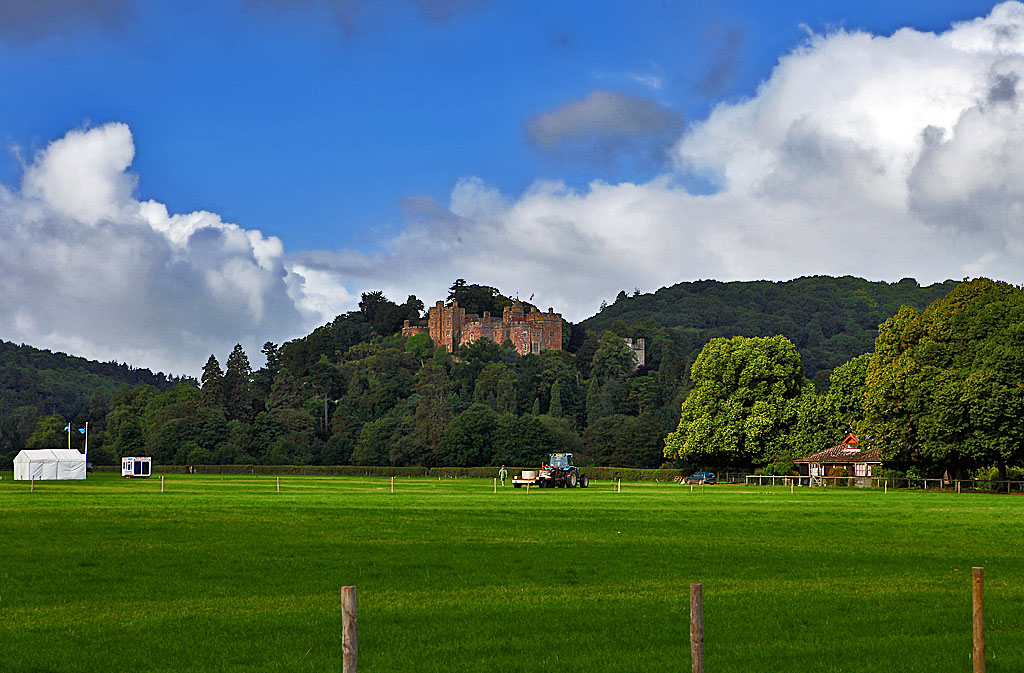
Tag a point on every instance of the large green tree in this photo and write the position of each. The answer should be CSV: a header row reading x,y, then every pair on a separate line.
x,y
49,433
946,386
824,420
744,402
613,359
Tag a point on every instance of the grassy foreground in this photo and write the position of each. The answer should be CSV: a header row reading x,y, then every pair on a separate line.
x,y
226,574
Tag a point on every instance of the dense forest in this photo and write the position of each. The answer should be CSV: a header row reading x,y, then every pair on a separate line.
x,y
356,392
830,320
36,384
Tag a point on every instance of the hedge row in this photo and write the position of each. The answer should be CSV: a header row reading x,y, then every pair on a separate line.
x,y
610,473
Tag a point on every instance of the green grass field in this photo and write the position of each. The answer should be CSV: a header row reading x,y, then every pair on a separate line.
x,y
226,574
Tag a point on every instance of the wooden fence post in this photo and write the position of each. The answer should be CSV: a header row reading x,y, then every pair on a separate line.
x,y
392,484
161,483
697,627
619,489
978,585
279,484
349,630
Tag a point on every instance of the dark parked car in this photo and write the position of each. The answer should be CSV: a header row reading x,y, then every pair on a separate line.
x,y
701,478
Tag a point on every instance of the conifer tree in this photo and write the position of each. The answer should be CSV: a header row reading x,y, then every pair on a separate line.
x,y
237,382
212,384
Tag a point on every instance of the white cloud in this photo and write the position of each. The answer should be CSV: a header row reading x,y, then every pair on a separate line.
x,y
83,174
876,156
91,270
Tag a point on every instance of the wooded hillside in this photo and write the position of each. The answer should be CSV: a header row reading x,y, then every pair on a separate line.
x,y
37,383
830,320
354,391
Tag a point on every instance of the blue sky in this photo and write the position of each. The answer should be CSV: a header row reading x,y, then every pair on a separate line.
x,y
314,128
354,143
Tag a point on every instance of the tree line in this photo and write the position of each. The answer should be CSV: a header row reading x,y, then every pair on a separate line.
x,y
939,390
356,392
942,391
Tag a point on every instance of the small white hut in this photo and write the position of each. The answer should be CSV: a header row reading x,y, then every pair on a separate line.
x,y
136,466
39,464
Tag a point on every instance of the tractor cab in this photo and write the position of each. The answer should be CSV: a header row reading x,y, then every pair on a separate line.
x,y
560,461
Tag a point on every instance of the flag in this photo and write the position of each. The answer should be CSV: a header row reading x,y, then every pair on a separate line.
x,y
531,297
68,428
81,430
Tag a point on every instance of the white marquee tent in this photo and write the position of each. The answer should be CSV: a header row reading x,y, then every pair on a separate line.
x,y
41,464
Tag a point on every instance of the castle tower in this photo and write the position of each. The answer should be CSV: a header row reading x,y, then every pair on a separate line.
x,y
445,324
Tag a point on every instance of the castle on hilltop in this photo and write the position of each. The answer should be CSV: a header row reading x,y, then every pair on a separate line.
x,y
529,331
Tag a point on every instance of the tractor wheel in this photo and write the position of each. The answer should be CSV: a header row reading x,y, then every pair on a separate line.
x,y
570,480
584,481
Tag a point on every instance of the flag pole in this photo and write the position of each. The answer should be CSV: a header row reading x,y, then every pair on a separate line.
x,y
68,428
87,443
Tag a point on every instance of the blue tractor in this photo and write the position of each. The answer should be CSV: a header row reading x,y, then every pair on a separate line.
x,y
559,471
